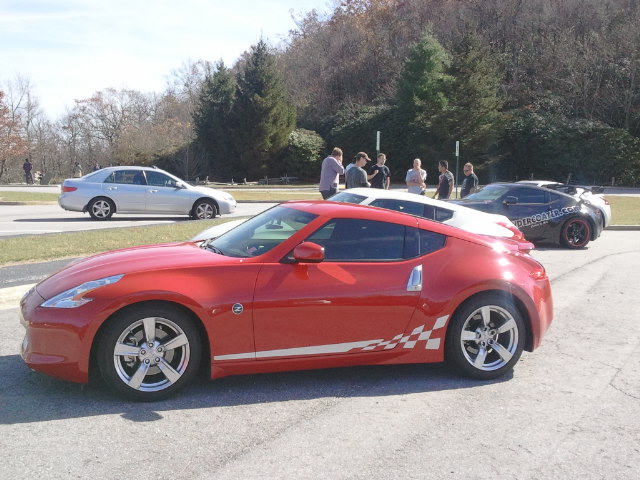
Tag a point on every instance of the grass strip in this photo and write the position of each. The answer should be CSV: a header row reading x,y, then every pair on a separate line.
x,y
264,195
52,246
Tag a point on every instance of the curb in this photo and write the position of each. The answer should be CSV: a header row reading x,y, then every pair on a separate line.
x,y
10,297
623,228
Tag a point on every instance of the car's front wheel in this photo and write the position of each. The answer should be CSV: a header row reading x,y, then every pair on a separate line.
x,y
101,208
486,337
576,233
204,210
148,353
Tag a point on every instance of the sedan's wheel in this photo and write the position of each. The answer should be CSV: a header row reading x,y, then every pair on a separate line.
x,y
486,337
576,233
149,353
101,208
204,210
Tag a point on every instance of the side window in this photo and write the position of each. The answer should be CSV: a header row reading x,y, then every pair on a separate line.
x,y
159,179
554,197
412,208
126,177
431,241
349,239
443,214
528,195
429,212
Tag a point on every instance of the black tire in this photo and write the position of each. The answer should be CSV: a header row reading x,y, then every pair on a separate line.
x,y
155,368
101,208
576,233
486,337
204,210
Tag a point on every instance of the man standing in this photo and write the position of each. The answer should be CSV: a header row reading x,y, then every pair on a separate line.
x,y
27,166
470,182
357,176
77,170
445,182
329,174
416,178
382,178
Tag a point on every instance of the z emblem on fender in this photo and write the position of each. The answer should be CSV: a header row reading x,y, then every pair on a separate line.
x,y
237,308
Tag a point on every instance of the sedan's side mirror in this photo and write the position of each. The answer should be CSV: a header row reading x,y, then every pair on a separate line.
x,y
180,185
510,201
308,252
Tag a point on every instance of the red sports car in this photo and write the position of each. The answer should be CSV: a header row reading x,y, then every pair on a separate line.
x,y
303,285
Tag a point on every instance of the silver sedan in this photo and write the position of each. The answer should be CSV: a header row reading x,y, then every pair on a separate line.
x,y
141,190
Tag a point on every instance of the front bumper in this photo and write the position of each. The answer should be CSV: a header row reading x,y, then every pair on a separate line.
x,y
227,207
52,345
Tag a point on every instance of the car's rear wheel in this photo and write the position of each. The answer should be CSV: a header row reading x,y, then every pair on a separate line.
x,y
204,210
576,233
148,353
486,337
101,208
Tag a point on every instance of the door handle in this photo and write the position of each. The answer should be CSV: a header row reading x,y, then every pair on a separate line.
x,y
153,191
415,280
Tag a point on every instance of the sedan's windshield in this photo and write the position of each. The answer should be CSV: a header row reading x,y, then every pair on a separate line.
x,y
488,193
261,233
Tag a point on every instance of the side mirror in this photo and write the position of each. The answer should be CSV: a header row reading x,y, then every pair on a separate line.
x,y
180,185
510,201
308,252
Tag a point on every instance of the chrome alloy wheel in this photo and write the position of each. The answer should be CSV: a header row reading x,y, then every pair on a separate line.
x,y
101,209
489,338
151,354
204,210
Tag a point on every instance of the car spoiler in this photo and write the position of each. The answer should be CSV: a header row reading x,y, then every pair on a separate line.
x,y
591,188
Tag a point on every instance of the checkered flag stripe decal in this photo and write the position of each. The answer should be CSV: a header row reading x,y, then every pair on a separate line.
x,y
418,335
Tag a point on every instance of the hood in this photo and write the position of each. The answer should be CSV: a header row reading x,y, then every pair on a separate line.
x,y
210,192
129,260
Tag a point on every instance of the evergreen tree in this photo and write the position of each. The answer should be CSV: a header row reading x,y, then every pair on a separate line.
x,y
422,92
211,120
421,89
262,116
473,111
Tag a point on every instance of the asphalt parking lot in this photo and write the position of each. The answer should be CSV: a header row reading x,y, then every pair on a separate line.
x,y
571,409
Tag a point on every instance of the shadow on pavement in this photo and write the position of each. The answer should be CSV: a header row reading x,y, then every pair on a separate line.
x,y
29,396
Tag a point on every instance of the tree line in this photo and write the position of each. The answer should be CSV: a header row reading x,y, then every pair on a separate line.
x,y
530,88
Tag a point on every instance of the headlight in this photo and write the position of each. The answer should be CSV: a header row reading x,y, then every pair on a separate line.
x,y
76,296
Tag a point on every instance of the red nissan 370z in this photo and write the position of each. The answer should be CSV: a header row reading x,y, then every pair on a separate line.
x,y
304,285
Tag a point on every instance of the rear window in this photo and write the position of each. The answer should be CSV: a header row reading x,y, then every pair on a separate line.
x,y
404,206
346,197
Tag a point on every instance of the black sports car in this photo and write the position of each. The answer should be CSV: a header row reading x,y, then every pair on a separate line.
x,y
544,216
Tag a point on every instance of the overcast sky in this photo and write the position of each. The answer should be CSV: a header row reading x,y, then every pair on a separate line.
x,y
70,49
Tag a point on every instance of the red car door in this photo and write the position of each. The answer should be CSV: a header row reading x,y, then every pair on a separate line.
x,y
362,295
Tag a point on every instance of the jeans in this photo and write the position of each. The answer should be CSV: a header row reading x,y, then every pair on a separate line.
x,y
328,193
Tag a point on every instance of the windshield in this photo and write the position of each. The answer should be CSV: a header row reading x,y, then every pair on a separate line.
x,y
488,193
261,233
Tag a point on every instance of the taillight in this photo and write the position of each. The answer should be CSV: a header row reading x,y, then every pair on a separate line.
x,y
65,188
539,273
537,270
517,234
